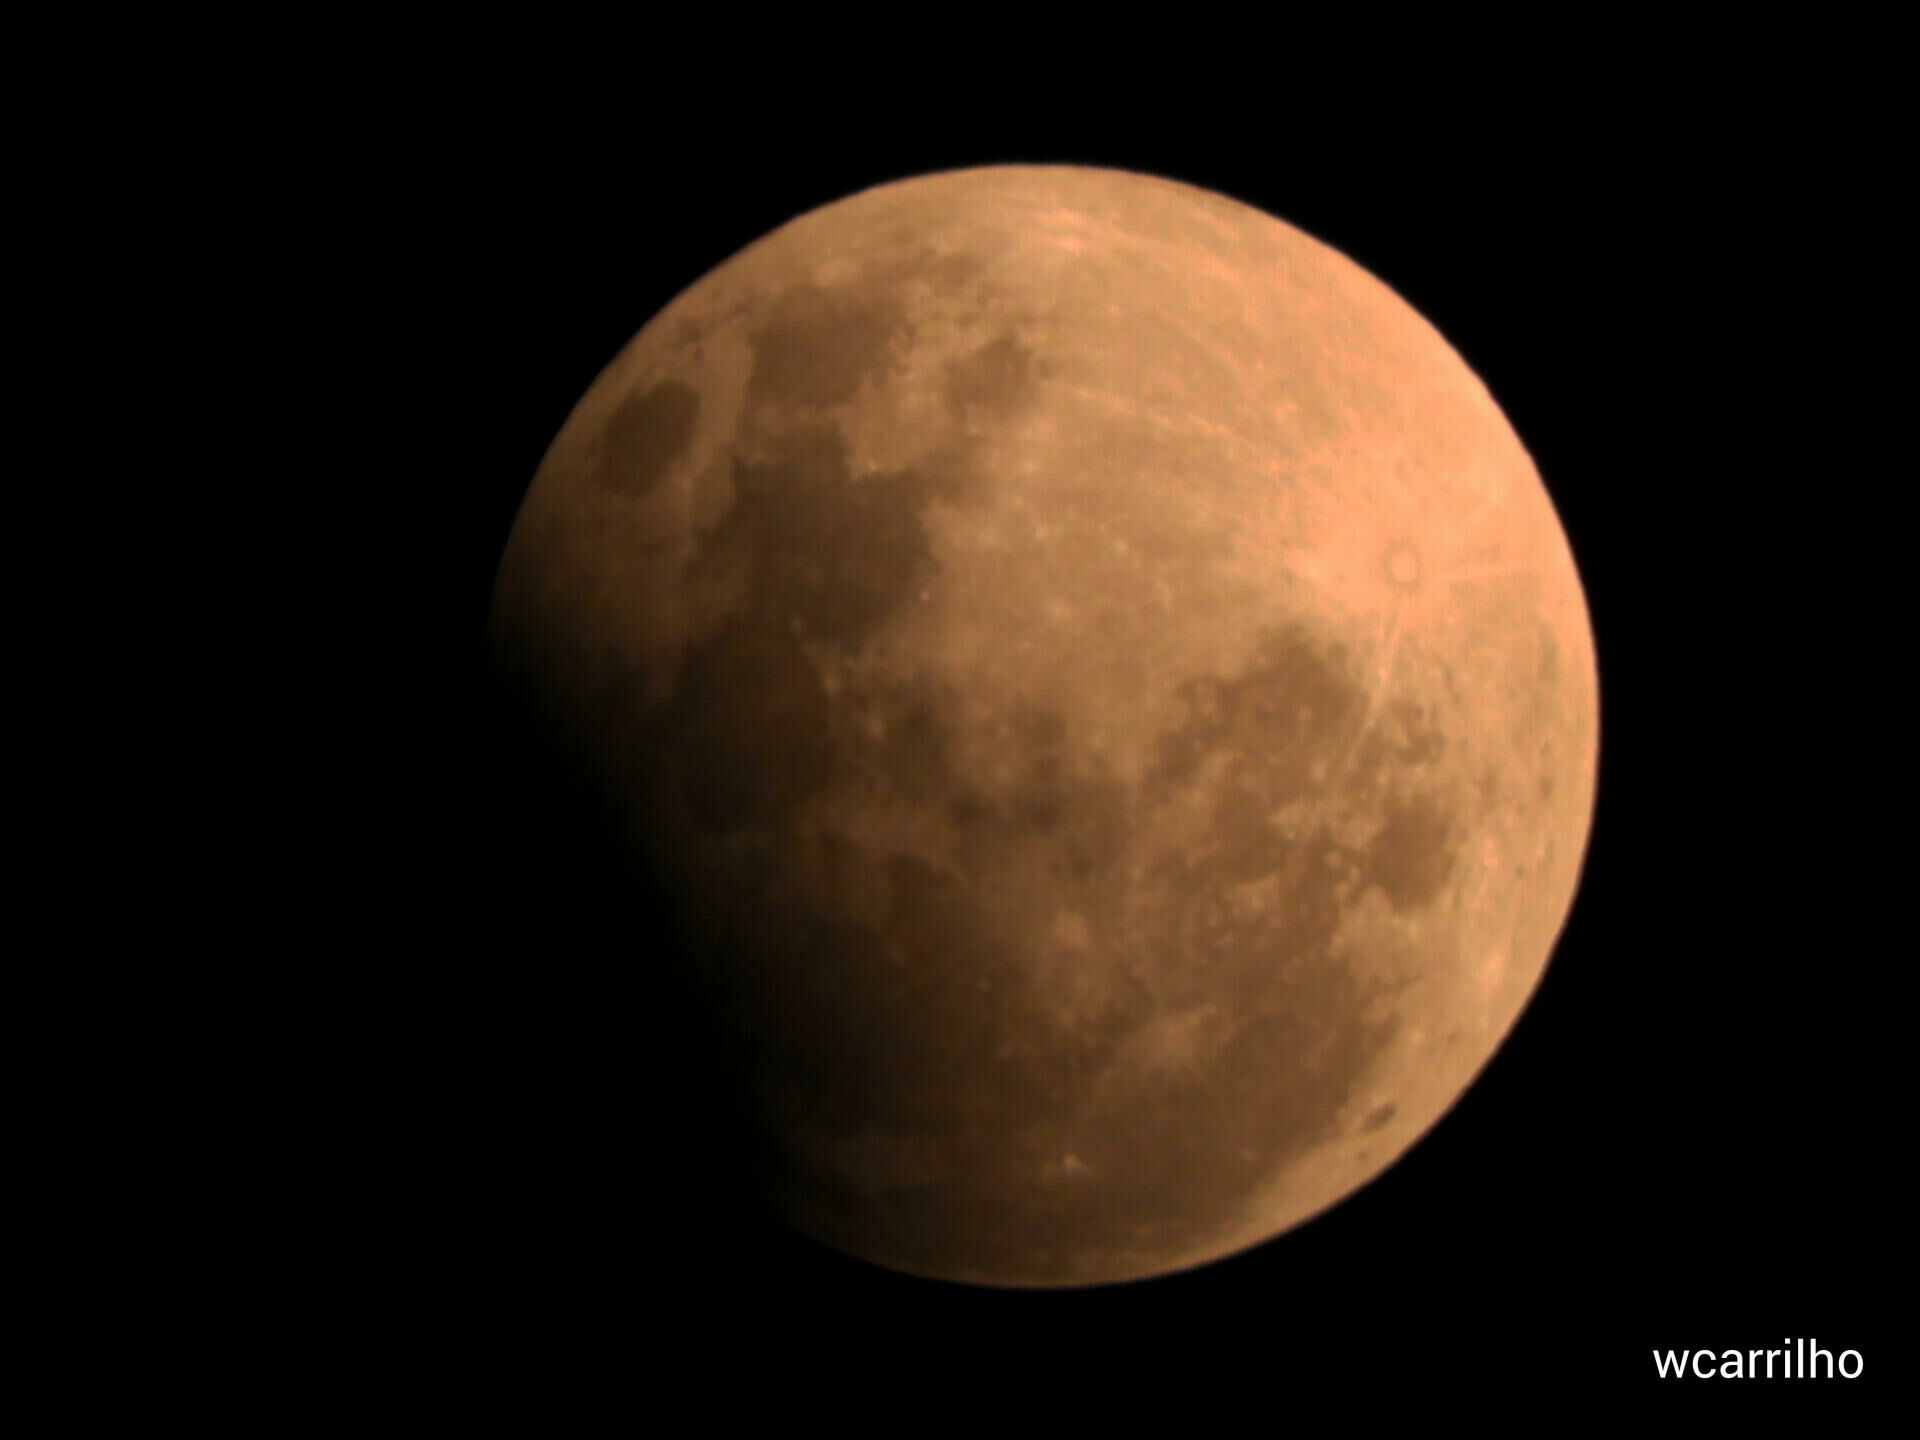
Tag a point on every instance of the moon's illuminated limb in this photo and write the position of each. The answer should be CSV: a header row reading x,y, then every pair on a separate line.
x,y
1108,691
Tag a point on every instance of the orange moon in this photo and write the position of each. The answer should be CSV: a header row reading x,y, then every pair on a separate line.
x,y
1106,691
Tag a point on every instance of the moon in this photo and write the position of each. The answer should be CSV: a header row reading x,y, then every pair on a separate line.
x,y
1108,696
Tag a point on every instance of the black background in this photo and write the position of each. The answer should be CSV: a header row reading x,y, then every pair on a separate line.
x,y
1686,1141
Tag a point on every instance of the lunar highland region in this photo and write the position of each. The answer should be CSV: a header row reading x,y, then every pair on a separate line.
x,y
1106,692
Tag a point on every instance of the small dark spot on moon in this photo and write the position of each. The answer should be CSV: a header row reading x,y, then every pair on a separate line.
x,y
1378,1116
952,271
1039,730
1041,807
968,809
1488,787
1412,855
1422,742
1248,844
644,436
995,379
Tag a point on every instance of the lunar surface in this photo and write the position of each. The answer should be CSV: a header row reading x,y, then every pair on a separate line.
x,y
1107,692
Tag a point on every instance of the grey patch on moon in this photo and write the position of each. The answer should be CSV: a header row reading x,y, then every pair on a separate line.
x,y
830,556
643,438
1549,658
817,346
1295,704
993,380
1412,856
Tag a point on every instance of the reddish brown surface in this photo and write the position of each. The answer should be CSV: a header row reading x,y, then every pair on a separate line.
x,y
1108,690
